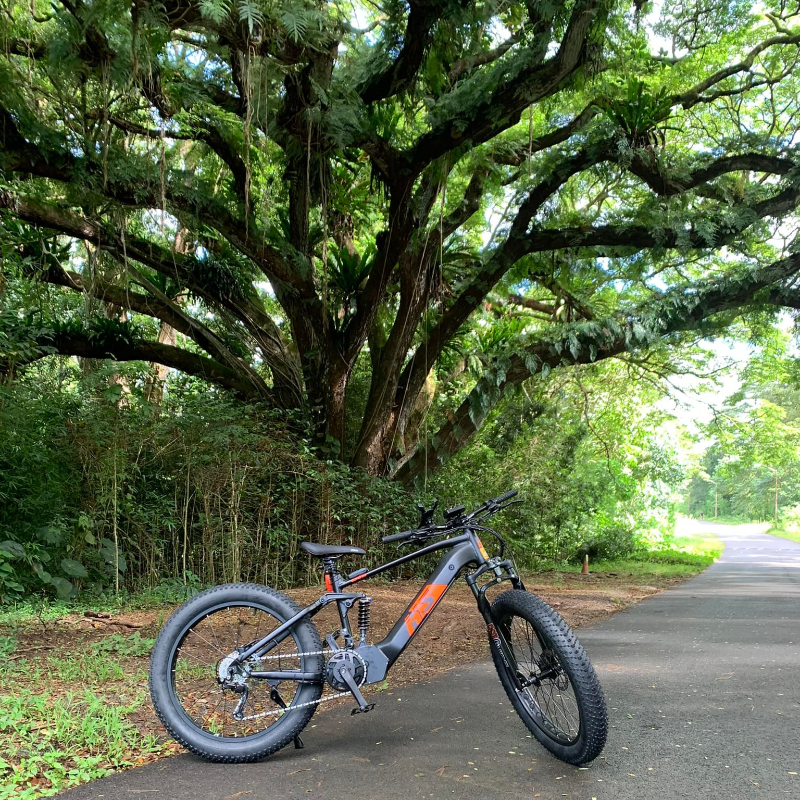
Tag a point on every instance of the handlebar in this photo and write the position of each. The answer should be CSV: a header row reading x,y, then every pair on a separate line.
x,y
454,516
504,497
396,537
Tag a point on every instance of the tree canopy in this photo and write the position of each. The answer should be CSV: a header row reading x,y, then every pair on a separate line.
x,y
384,218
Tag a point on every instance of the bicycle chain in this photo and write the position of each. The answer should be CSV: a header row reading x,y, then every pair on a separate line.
x,y
297,655
292,708
300,705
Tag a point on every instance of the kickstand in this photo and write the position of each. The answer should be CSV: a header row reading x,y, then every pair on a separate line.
x,y
276,698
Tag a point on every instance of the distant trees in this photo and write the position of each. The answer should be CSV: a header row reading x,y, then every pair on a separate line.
x,y
753,463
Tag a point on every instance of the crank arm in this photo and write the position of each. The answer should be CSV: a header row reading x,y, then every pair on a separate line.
x,y
363,705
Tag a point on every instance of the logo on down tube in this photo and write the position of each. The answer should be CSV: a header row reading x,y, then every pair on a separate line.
x,y
495,637
423,605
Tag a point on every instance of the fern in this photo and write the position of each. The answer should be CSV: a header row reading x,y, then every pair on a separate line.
x,y
215,10
295,23
250,13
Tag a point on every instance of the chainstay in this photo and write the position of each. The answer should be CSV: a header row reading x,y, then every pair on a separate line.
x,y
280,711
297,655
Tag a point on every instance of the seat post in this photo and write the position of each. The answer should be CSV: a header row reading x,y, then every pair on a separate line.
x,y
331,574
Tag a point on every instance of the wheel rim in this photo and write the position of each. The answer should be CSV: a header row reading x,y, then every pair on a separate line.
x,y
549,696
194,667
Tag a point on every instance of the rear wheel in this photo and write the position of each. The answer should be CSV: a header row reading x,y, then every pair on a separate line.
x,y
224,714
549,679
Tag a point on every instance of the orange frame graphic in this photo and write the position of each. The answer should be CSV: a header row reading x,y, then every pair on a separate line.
x,y
423,604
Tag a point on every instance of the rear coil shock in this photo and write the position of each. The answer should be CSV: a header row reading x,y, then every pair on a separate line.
x,y
364,608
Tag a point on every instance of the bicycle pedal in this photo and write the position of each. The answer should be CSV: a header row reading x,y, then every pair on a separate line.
x,y
359,710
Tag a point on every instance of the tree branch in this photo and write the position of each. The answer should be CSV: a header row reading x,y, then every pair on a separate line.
x,y
85,346
520,154
484,57
179,267
693,96
488,114
400,74
677,310
665,185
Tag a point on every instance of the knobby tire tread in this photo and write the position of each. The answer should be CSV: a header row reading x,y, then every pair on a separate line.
x,y
589,694
242,752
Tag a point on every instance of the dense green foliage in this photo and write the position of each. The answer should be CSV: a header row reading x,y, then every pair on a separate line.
x,y
100,489
197,489
589,457
257,254
369,216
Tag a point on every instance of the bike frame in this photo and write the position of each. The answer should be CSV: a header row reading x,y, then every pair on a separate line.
x,y
465,550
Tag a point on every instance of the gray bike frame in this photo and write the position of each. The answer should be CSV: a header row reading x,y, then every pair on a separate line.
x,y
463,552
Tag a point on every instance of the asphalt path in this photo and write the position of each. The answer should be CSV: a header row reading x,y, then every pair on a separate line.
x,y
702,683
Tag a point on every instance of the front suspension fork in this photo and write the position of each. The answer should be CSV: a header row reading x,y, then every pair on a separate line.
x,y
504,571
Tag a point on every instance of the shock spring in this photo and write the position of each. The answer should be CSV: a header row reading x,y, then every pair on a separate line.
x,y
364,607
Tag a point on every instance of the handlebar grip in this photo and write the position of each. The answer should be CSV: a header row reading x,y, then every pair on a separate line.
x,y
506,496
396,537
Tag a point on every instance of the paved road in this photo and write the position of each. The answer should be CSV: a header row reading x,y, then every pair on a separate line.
x,y
702,684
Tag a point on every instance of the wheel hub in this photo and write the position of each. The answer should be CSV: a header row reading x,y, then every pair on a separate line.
x,y
232,676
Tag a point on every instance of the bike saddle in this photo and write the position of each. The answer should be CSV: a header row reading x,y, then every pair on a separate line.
x,y
331,550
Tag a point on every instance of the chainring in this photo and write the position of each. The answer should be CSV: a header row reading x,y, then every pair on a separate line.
x,y
340,660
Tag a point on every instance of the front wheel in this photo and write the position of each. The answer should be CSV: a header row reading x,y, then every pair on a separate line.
x,y
221,712
548,677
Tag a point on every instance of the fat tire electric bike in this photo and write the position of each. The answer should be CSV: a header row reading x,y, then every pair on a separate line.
x,y
238,670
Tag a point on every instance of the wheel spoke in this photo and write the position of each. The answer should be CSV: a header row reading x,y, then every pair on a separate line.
x,y
197,659
551,701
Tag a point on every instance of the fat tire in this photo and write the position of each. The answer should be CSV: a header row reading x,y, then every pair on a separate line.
x,y
591,703
174,719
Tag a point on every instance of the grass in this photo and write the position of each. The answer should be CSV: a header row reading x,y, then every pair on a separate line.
x,y
41,610
53,742
681,557
790,531
70,718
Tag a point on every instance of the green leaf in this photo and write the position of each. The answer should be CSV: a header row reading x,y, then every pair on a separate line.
x,y
73,568
12,549
215,10
44,575
250,13
64,588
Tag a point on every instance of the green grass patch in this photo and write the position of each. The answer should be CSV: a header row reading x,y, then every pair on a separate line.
x,y
678,556
52,743
42,609
786,532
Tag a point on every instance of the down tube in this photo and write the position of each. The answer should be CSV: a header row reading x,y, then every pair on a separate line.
x,y
443,577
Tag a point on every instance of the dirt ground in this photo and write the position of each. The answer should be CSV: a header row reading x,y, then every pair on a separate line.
x,y
454,634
